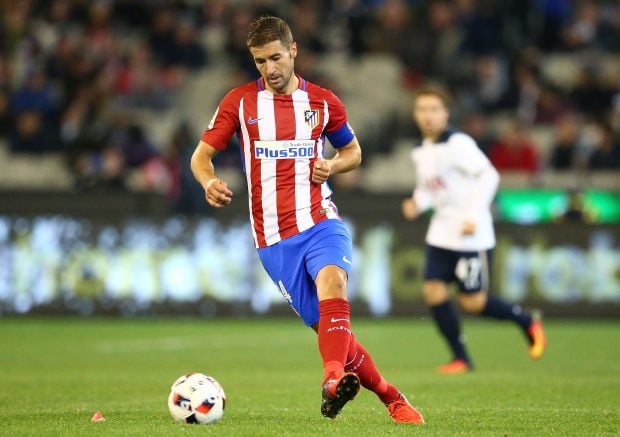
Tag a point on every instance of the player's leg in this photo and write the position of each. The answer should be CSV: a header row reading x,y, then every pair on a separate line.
x,y
347,364
447,320
285,262
331,258
474,299
491,306
334,338
328,257
361,362
334,327
438,273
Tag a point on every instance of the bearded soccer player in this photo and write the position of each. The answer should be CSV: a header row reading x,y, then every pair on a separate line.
x,y
282,121
457,180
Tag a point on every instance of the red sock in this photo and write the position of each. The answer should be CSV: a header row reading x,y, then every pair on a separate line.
x,y
334,335
360,362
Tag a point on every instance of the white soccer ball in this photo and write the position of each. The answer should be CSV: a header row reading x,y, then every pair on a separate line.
x,y
196,398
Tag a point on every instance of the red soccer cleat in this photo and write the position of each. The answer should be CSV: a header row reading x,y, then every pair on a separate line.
x,y
455,366
337,392
403,412
538,342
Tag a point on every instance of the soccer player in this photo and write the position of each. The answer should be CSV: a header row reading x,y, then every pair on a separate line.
x,y
282,121
457,180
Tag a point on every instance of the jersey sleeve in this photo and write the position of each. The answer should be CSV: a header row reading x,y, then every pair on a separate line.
x,y
224,123
337,130
466,155
423,197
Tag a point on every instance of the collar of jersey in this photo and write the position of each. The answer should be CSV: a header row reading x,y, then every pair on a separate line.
x,y
260,82
442,138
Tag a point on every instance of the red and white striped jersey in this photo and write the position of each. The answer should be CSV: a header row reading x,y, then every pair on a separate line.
x,y
280,137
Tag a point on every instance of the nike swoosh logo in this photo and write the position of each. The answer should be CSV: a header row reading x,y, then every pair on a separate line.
x,y
253,120
345,259
339,320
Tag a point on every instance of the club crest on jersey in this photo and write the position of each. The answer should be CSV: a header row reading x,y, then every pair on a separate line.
x,y
311,117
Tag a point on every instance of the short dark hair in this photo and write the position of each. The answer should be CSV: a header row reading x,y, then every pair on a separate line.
x,y
267,29
434,90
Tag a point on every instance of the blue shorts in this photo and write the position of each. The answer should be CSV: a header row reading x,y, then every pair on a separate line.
x,y
470,270
293,263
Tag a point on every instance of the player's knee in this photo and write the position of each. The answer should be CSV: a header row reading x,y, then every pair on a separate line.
x,y
435,292
331,282
473,303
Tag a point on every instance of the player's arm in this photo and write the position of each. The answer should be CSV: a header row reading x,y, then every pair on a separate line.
x,y
470,160
342,138
346,159
415,205
409,208
216,190
487,181
419,201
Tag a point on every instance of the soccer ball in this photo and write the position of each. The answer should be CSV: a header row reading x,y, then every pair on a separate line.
x,y
196,398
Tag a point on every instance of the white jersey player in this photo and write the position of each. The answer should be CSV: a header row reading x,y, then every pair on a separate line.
x,y
456,180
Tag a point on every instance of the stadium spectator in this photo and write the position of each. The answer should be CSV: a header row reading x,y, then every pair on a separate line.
x,y
306,20
34,95
551,105
161,35
553,14
6,120
590,95
99,34
164,173
482,23
92,48
214,19
77,122
582,31
236,49
476,126
102,170
514,150
605,154
135,147
29,134
394,32
187,52
526,92
182,191
489,86
564,152
139,83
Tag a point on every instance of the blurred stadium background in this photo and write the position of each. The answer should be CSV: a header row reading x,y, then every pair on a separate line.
x,y
102,103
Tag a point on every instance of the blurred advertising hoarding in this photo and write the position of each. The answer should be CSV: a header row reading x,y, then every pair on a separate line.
x,y
128,265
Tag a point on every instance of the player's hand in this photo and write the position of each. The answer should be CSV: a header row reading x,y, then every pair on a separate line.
x,y
217,193
409,208
469,228
321,171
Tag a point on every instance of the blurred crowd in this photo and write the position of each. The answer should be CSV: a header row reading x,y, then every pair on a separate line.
x,y
74,74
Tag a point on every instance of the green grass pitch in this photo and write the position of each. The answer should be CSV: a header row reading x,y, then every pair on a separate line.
x,y
55,373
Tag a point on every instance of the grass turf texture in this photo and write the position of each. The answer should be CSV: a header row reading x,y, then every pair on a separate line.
x,y
55,373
